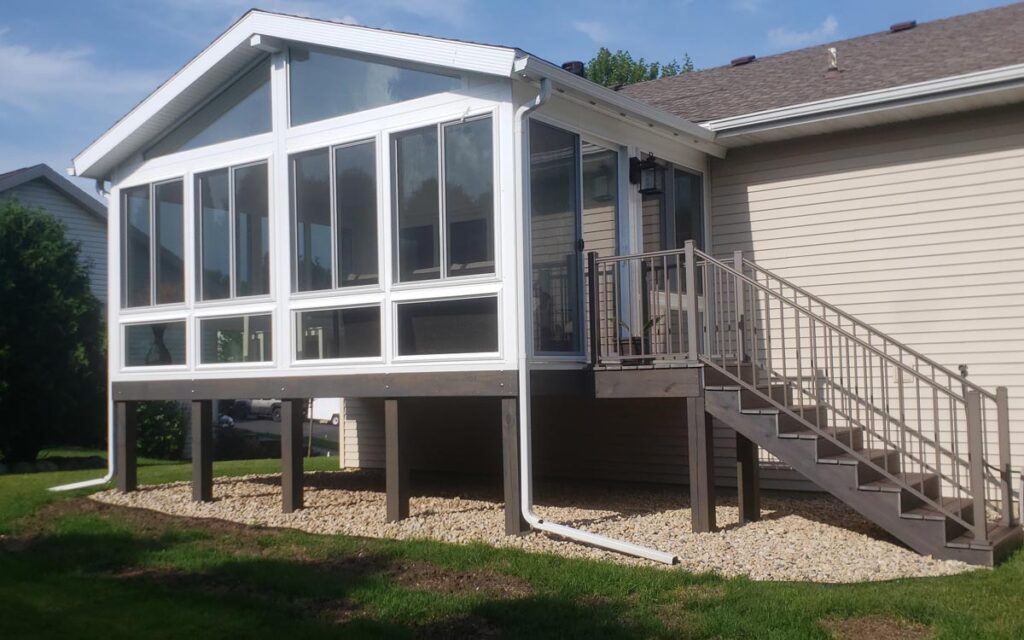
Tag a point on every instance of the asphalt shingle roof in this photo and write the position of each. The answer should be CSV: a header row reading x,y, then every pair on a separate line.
x,y
953,46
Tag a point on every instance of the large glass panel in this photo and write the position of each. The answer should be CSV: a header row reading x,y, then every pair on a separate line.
x,y
170,242
241,110
311,207
150,345
338,333
238,339
135,281
689,205
554,234
448,326
355,175
469,197
252,232
416,205
214,235
326,84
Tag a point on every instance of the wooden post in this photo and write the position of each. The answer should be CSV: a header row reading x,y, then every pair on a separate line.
x,y
702,482
291,455
396,466
592,309
202,450
514,521
976,462
1005,469
748,480
125,438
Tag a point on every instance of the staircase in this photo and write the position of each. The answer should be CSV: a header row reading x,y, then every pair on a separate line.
x,y
909,444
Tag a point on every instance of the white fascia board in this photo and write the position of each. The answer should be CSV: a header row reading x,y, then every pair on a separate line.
x,y
678,129
952,86
463,56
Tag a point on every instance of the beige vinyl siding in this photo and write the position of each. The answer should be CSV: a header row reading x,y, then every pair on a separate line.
x,y
82,226
362,434
916,228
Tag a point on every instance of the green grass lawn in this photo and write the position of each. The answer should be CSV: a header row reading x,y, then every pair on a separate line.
x,y
72,568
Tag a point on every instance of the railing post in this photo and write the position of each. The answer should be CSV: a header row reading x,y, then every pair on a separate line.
x,y
741,345
592,306
1005,470
976,460
691,299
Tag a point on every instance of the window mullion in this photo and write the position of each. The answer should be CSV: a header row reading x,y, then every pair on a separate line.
x,y
441,217
333,191
152,245
231,234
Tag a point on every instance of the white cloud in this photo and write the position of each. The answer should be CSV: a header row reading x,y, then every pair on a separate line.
x,y
782,37
593,30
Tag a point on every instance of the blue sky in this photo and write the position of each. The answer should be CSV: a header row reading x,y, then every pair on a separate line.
x,y
70,68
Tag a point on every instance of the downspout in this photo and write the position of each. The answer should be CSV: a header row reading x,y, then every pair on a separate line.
x,y
524,335
103,193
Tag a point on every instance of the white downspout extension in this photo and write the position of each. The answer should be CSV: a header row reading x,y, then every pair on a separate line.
x,y
525,303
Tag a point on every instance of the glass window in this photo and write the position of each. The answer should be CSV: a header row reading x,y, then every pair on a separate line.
x,y
338,333
252,232
241,110
150,345
355,179
169,256
326,84
448,326
469,197
214,207
238,339
417,206
135,247
311,204
689,205
554,236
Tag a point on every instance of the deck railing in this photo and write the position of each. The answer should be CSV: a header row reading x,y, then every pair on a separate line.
x,y
921,422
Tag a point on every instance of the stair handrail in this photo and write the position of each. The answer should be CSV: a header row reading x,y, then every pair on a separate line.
x,y
860,323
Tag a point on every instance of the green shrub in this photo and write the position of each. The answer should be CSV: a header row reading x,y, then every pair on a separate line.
x,y
161,430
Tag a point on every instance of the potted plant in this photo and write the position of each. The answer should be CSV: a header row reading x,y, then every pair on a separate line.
x,y
631,347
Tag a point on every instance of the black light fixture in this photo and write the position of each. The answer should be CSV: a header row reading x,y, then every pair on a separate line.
x,y
648,174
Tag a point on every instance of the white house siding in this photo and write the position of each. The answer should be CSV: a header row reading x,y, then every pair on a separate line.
x,y
82,225
916,229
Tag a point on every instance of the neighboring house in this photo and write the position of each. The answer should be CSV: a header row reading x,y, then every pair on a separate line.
x,y
84,217
504,267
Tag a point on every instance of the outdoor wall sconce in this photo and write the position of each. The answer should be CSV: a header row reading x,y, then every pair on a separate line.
x,y
647,174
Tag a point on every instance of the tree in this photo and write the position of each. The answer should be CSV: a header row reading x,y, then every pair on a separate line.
x,y
52,364
619,68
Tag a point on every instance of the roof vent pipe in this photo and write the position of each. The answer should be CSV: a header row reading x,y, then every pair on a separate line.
x,y
735,62
833,59
902,26
574,67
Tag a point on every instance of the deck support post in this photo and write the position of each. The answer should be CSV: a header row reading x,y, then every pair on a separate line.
x,y
702,479
291,455
202,450
396,464
125,438
514,522
748,480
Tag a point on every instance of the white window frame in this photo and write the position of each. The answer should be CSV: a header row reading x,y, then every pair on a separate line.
x,y
447,357
123,248
123,342
328,362
197,346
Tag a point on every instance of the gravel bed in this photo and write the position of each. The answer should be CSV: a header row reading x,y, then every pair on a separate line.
x,y
804,537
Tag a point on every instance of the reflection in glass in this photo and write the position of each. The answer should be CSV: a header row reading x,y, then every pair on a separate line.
x,y
239,339
252,232
311,204
170,242
326,84
338,333
355,175
554,234
469,197
241,110
135,243
416,204
158,344
214,235
689,205
448,326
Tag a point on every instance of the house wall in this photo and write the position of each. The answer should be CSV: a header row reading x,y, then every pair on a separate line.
x,y
82,226
916,229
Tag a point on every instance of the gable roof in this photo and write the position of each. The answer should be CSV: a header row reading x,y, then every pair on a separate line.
x,y
19,177
942,48
258,31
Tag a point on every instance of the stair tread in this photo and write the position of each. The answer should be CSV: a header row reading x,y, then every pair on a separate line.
x,y
997,532
809,434
912,478
850,459
928,512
